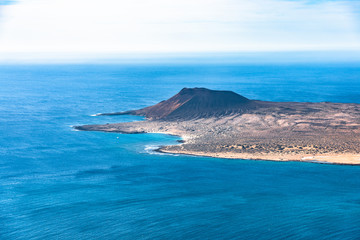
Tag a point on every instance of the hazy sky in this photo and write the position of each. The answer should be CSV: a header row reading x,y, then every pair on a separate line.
x,y
73,28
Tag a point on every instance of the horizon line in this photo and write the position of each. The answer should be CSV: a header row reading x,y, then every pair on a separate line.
x,y
287,56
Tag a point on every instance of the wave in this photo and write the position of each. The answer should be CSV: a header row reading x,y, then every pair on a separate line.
x,y
73,129
153,149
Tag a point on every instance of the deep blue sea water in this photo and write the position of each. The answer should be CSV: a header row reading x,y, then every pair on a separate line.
x,y
56,183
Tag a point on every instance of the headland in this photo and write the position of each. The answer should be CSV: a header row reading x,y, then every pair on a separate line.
x,y
225,124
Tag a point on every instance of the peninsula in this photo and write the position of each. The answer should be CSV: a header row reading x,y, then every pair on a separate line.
x,y
225,124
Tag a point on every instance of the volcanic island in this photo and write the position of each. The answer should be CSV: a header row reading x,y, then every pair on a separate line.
x,y
224,124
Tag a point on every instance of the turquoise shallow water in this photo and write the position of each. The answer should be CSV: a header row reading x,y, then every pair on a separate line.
x,y
56,183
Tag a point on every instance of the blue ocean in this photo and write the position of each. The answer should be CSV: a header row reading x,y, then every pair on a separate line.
x,y
58,183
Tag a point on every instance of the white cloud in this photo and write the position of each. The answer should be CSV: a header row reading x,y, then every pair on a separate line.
x,y
123,26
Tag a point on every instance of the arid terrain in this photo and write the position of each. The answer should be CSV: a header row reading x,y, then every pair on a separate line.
x,y
227,125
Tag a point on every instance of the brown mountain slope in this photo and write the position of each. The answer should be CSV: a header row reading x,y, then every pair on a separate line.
x,y
195,103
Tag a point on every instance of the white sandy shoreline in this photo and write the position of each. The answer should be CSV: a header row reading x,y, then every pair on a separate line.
x,y
346,159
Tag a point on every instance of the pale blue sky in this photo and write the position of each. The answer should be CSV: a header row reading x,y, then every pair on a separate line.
x,y
79,29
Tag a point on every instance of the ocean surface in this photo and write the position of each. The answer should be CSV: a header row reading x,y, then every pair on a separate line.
x,y
57,183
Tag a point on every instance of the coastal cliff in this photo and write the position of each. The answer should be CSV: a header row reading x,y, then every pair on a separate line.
x,y
226,124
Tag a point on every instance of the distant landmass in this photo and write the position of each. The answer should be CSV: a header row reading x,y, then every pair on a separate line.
x,y
228,125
